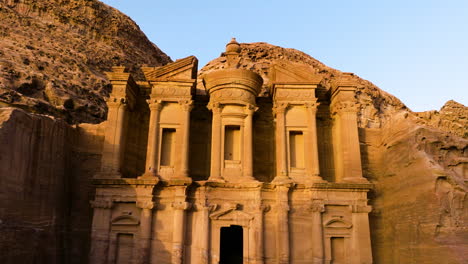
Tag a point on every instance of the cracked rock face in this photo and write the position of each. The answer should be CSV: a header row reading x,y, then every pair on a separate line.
x,y
53,55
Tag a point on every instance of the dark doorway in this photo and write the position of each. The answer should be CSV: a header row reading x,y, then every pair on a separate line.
x,y
232,244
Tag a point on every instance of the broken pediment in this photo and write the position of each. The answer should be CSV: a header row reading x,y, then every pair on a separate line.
x,y
291,73
182,69
232,214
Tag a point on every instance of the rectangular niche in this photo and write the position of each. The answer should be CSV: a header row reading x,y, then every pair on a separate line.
x,y
168,146
232,143
296,149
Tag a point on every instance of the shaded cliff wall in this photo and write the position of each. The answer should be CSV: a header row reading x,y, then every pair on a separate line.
x,y
45,188
419,200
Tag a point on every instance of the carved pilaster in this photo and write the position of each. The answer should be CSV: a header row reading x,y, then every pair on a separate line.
x,y
248,142
281,151
216,151
100,230
178,236
145,230
206,209
360,238
114,143
153,142
282,210
313,166
317,208
187,106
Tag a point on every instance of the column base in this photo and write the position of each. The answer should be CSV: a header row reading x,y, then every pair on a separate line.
x,y
282,180
216,179
315,179
149,175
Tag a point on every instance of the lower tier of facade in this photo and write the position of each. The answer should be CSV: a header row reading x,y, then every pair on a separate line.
x,y
146,221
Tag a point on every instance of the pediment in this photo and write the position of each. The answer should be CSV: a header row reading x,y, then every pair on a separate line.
x,y
125,220
289,73
338,223
232,215
182,69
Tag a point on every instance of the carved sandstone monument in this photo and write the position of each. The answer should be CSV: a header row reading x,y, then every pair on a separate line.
x,y
182,196
265,155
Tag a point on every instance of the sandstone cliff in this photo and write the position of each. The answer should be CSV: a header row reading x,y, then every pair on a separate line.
x,y
53,55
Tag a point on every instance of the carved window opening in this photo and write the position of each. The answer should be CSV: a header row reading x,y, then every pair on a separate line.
x,y
337,250
124,250
168,146
296,149
232,144
231,246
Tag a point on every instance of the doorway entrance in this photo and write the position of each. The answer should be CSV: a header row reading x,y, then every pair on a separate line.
x,y
232,244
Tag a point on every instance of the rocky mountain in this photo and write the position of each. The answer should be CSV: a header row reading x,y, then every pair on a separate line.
x,y
53,55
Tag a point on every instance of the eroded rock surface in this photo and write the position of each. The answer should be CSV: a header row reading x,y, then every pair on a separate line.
x,y
53,55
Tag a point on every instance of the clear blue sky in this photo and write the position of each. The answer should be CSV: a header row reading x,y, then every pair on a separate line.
x,y
416,50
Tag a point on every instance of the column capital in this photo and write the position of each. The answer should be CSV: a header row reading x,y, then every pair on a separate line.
x,y
103,204
155,104
145,204
312,105
187,105
317,207
250,109
116,101
280,107
215,107
344,107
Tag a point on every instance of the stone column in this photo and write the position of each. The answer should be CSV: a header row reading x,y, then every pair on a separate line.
x,y
317,232
282,210
145,231
100,231
187,106
281,145
178,233
153,142
256,235
312,153
361,250
216,152
114,142
205,209
248,143
344,109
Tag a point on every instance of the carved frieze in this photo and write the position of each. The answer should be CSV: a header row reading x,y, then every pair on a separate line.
x,y
228,94
295,95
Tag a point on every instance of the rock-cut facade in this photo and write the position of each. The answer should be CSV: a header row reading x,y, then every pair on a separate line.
x,y
214,171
